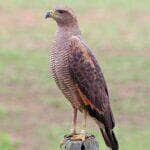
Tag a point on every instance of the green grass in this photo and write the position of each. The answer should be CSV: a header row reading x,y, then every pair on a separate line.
x,y
132,68
6,143
31,106
3,112
126,140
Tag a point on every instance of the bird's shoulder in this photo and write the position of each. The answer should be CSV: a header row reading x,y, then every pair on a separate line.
x,y
75,43
83,57
80,49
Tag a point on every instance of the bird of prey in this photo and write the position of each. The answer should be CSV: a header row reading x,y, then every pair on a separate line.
x,y
78,75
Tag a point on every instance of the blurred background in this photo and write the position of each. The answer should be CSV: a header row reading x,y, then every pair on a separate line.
x,y
34,115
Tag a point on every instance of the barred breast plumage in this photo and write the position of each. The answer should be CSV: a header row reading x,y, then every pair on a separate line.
x,y
59,65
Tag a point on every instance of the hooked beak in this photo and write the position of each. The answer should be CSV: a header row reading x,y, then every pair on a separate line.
x,y
50,14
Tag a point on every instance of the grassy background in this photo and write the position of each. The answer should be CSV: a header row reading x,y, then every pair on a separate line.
x,y
32,108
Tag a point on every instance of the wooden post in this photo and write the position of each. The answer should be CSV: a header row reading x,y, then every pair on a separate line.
x,y
90,143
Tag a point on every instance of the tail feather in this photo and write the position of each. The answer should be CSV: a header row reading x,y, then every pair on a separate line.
x,y
107,122
110,139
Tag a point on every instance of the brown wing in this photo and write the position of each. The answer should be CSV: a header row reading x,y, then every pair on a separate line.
x,y
86,73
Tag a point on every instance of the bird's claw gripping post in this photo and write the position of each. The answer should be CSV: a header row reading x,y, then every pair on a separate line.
x,y
78,137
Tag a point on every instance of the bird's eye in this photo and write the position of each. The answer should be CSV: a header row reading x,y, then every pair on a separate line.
x,y
60,11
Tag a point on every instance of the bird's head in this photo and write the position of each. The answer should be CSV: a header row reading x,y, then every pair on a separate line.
x,y
64,16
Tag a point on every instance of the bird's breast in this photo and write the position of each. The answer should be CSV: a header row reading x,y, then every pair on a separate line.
x,y
60,69
59,58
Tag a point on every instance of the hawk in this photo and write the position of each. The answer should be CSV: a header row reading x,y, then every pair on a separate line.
x,y
78,75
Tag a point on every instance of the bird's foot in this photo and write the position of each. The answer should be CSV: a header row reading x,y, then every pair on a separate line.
x,y
78,137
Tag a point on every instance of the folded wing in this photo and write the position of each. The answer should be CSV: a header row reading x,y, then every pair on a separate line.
x,y
87,75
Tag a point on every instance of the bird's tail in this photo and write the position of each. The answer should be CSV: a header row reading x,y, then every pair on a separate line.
x,y
109,138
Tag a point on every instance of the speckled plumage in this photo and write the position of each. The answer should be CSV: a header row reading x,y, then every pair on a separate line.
x,y
78,74
60,64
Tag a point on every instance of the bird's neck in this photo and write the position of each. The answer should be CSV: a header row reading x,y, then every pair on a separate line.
x,y
69,30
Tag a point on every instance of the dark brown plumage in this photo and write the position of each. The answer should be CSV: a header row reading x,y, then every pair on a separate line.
x,y
78,74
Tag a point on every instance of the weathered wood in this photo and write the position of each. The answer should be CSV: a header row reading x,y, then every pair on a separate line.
x,y
90,143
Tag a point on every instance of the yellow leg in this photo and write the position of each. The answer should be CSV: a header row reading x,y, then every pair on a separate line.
x,y
73,131
82,135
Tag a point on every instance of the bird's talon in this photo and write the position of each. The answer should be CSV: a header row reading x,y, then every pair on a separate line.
x,y
78,137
